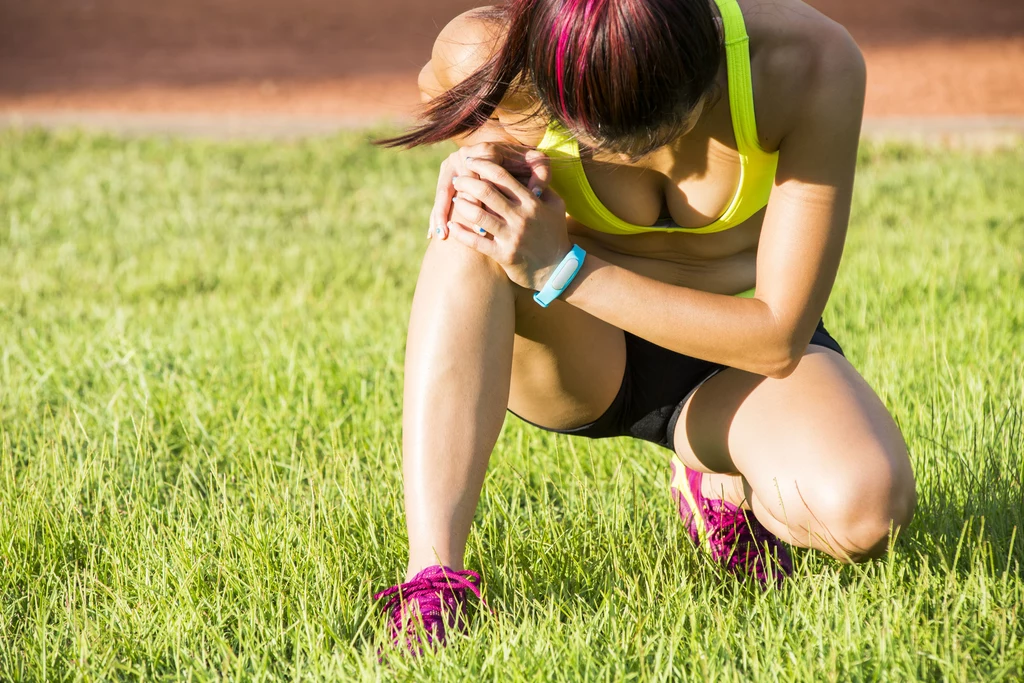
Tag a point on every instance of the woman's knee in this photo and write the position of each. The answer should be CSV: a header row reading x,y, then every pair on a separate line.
x,y
461,291
859,513
452,260
869,530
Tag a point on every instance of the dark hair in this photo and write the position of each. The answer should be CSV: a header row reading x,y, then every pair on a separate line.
x,y
624,73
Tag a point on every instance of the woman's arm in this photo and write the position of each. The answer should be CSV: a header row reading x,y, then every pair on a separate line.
x,y
798,254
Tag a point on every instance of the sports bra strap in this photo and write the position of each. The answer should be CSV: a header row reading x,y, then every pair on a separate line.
x,y
757,167
741,88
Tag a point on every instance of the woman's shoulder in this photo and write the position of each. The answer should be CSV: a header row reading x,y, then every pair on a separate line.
x,y
462,47
798,58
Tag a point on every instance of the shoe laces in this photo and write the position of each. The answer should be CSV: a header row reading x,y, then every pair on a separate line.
x,y
436,594
736,537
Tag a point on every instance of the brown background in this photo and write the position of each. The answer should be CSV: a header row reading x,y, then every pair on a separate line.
x,y
359,57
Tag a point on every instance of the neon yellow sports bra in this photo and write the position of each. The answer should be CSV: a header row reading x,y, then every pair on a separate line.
x,y
757,167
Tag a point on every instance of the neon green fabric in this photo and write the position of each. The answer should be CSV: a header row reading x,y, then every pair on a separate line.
x,y
757,167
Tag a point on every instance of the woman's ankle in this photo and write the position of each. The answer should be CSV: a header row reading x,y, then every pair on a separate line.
x,y
419,563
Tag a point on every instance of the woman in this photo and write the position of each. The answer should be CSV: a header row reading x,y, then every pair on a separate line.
x,y
693,144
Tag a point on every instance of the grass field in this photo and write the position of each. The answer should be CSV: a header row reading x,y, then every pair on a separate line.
x,y
200,377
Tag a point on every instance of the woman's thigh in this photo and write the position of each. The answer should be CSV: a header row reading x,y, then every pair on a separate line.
x,y
567,365
819,452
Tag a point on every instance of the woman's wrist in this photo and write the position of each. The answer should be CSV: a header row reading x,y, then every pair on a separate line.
x,y
557,279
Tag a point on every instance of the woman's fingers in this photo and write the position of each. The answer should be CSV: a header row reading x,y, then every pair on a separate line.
x,y
501,178
540,172
506,167
476,217
487,194
485,246
442,199
456,165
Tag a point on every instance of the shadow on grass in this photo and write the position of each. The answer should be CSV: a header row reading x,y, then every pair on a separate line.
x,y
975,503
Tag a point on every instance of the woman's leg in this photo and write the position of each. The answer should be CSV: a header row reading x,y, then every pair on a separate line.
x,y
460,357
821,462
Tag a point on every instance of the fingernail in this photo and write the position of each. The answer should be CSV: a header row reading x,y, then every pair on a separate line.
x,y
455,181
451,226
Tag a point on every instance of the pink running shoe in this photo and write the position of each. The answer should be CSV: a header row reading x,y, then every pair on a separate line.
x,y
439,595
734,537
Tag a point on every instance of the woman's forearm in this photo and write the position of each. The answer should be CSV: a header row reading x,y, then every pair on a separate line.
x,y
734,331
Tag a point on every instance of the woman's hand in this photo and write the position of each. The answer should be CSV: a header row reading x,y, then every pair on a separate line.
x,y
517,160
523,231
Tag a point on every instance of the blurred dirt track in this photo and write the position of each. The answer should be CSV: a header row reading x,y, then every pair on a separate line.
x,y
358,58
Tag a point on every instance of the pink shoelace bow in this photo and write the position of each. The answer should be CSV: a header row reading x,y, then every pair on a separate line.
x,y
438,594
739,540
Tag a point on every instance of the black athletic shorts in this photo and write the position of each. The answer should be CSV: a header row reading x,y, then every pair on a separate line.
x,y
655,386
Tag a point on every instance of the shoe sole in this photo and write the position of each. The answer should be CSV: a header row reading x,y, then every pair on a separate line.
x,y
680,485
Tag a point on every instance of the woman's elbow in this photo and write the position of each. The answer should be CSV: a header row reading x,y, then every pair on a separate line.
x,y
777,369
780,345
782,360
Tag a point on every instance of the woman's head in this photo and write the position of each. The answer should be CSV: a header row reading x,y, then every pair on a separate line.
x,y
625,74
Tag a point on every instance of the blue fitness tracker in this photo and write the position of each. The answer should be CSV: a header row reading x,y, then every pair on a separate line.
x,y
562,277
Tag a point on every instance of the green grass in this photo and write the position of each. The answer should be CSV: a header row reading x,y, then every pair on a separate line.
x,y
200,379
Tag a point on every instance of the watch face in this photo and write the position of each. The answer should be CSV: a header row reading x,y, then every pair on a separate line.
x,y
566,269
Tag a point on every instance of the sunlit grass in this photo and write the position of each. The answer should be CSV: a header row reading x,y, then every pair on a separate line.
x,y
200,378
